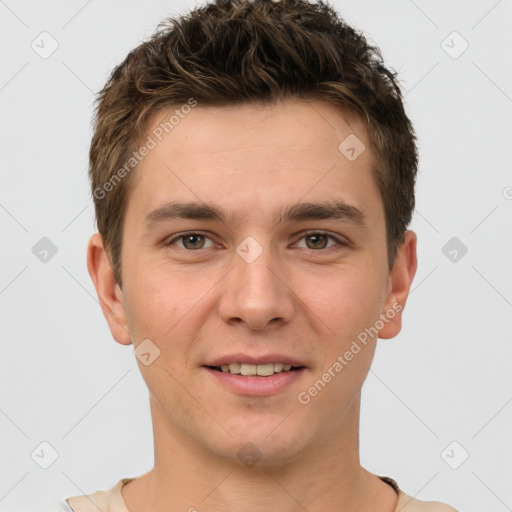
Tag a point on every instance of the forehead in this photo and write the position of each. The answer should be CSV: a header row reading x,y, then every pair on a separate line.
x,y
253,155
302,120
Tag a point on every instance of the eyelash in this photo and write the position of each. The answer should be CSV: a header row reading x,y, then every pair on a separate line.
x,y
304,235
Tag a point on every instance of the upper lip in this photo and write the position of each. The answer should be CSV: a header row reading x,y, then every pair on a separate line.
x,y
252,359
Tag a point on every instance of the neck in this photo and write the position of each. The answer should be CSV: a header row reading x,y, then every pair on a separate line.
x,y
326,476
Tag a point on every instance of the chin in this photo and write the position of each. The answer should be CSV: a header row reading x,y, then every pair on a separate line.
x,y
263,445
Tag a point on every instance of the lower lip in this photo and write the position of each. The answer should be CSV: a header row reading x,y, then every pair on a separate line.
x,y
257,386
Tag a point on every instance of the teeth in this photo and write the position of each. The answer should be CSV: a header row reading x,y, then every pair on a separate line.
x,y
234,367
248,369
263,370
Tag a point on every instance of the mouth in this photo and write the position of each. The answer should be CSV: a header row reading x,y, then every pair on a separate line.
x,y
256,374
255,370
251,379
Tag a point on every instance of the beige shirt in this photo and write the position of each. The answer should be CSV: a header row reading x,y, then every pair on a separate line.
x,y
112,501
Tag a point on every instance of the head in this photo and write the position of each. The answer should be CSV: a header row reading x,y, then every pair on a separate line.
x,y
246,109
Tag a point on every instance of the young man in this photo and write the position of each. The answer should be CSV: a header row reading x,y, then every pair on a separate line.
x,y
253,175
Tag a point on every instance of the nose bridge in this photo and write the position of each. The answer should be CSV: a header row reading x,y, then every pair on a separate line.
x,y
254,292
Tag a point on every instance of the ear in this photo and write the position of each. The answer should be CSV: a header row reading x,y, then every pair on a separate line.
x,y
400,280
109,292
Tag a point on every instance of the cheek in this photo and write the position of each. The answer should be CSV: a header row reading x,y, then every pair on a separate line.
x,y
161,298
348,306
149,313
347,300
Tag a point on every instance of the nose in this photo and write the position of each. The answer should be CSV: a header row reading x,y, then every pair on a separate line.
x,y
256,293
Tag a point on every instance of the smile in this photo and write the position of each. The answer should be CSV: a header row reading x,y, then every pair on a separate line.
x,y
261,370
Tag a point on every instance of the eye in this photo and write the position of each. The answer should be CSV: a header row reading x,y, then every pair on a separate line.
x,y
315,240
191,241
319,240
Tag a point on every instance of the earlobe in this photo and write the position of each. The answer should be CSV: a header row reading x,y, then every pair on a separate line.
x,y
109,294
400,280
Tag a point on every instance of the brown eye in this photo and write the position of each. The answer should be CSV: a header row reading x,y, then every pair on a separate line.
x,y
318,241
191,241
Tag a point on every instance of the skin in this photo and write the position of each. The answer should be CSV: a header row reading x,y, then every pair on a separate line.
x,y
295,298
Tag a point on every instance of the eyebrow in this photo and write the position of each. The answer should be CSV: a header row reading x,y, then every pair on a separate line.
x,y
333,209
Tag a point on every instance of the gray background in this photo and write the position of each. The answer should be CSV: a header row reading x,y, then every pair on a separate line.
x,y
445,378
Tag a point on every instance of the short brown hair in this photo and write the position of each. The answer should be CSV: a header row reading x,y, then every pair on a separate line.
x,y
237,51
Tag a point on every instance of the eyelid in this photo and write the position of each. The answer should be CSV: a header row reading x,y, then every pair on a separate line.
x,y
183,234
340,240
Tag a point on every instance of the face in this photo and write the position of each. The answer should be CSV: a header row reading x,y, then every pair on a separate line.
x,y
246,269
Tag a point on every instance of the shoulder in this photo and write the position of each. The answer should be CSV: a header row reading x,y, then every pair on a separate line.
x,y
407,503
89,503
104,501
